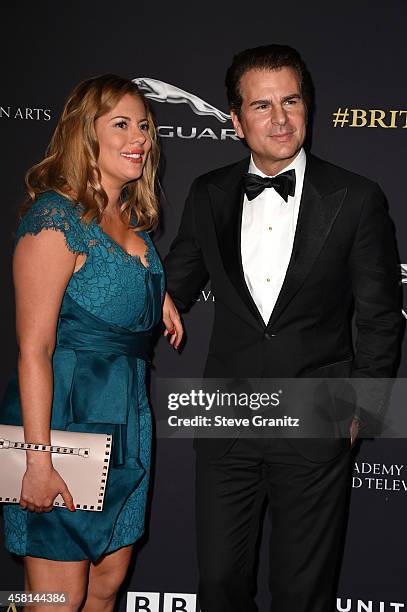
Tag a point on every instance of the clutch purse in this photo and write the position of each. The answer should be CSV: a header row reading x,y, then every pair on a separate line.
x,y
82,460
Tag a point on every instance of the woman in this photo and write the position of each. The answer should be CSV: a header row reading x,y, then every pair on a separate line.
x,y
97,273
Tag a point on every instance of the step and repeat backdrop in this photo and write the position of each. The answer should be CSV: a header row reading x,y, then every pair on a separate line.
x,y
178,54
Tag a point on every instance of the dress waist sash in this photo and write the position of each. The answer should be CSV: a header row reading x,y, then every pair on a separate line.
x,y
98,362
82,331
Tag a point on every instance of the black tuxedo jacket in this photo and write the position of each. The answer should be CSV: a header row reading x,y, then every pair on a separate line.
x,y
344,260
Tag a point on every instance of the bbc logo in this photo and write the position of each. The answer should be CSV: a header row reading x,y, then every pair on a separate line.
x,y
161,602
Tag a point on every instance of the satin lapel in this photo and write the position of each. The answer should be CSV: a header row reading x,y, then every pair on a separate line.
x,y
316,217
227,204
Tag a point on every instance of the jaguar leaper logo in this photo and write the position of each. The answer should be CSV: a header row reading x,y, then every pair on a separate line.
x,y
159,91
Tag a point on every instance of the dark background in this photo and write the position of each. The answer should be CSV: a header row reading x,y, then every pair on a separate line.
x,y
356,54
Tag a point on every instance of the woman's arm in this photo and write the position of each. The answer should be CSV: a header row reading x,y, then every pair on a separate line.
x,y
42,267
172,322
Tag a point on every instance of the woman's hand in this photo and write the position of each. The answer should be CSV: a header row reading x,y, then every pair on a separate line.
x,y
172,321
40,487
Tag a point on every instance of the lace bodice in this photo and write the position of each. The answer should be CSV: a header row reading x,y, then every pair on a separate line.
x,y
111,284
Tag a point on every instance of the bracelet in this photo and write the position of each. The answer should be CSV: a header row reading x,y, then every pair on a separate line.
x,y
61,450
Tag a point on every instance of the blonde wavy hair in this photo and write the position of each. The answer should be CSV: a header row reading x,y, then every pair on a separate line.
x,y
70,166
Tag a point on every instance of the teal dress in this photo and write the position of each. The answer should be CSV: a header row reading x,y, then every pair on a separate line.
x,y
109,312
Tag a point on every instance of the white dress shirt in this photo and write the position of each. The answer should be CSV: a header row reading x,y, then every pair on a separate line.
x,y
267,237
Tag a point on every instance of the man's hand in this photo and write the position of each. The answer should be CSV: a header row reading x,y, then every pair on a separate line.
x,y
172,322
354,430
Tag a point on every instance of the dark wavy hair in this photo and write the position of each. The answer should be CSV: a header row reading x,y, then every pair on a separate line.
x,y
70,166
268,57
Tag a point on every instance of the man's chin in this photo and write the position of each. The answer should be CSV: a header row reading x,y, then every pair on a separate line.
x,y
284,151
284,155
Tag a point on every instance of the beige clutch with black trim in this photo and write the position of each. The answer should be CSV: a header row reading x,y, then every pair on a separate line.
x,y
82,460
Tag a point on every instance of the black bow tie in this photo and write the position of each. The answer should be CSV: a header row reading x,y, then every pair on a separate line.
x,y
283,183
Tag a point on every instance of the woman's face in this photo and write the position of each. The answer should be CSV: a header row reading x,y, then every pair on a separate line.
x,y
124,142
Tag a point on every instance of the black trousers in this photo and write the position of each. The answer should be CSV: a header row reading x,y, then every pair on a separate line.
x,y
308,504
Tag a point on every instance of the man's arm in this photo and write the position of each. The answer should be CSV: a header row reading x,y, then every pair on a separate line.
x,y
375,274
184,265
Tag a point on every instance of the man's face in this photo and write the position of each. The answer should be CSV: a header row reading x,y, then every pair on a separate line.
x,y
272,118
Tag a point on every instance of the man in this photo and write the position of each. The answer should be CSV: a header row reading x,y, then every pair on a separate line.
x,y
287,259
